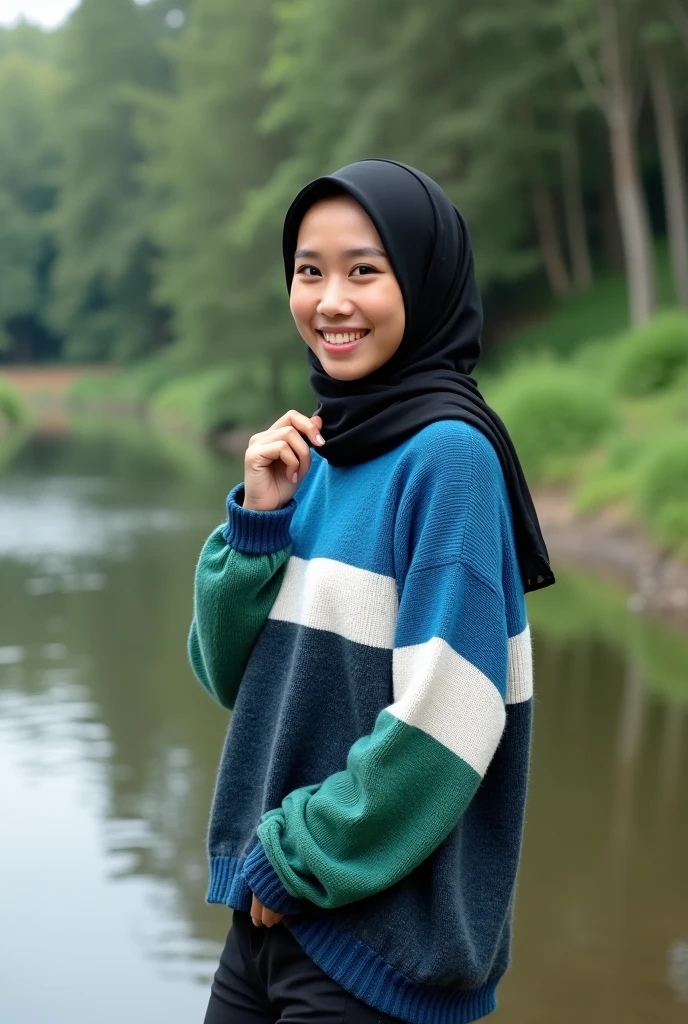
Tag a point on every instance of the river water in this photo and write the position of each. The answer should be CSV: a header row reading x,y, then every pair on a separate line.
x,y
109,747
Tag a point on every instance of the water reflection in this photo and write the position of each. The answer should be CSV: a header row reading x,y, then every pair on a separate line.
x,y
110,747
106,739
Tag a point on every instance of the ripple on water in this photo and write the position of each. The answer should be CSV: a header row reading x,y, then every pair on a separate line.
x,y
64,518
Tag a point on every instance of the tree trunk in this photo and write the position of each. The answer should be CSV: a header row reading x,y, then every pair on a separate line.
x,y
635,229
543,209
679,16
548,237
630,199
574,209
610,232
673,175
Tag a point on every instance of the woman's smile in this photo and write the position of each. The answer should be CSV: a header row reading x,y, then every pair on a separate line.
x,y
342,339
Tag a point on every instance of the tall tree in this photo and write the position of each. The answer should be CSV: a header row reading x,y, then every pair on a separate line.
x,y
203,157
29,157
102,277
602,37
544,211
661,66
574,206
450,114
31,40
678,14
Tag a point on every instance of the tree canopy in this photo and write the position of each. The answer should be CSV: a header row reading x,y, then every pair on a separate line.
x,y
148,153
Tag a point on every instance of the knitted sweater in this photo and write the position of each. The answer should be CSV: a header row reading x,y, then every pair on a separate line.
x,y
371,638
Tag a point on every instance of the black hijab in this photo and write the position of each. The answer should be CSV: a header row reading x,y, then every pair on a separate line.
x,y
428,377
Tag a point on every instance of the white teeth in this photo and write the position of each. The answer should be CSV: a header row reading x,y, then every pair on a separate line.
x,y
342,339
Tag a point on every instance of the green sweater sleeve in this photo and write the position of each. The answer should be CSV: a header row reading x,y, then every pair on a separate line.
x,y
238,576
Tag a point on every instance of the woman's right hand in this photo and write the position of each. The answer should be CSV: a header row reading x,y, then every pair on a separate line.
x,y
274,456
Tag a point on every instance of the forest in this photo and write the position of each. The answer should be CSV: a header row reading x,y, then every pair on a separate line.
x,y
148,153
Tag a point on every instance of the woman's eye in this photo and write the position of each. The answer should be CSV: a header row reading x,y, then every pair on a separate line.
x,y
363,267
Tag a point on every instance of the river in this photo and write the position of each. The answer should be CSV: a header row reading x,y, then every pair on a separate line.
x,y
109,747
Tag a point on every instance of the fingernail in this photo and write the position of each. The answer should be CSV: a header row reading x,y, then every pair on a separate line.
x,y
295,478
254,921
320,439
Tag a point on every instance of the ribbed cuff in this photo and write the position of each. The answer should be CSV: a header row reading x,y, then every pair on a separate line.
x,y
266,884
253,532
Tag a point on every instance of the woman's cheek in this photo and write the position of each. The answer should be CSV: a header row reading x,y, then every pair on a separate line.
x,y
300,309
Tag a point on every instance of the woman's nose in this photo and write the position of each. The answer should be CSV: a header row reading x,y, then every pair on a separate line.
x,y
334,301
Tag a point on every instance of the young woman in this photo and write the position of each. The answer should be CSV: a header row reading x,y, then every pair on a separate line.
x,y
362,613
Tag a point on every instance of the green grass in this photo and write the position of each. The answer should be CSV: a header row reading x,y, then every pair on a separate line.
x,y
180,396
13,410
129,388
217,398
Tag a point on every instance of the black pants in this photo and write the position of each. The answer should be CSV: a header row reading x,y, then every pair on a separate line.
x,y
264,977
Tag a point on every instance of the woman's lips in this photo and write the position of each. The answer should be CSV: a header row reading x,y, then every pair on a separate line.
x,y
346,346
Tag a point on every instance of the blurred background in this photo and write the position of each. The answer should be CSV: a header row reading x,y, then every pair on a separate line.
x,y
148,153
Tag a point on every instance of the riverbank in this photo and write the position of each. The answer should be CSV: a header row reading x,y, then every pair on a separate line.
x,y
610,545
606,542
608,538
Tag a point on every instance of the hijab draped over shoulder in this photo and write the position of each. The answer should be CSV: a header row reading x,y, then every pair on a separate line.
x,y
428,377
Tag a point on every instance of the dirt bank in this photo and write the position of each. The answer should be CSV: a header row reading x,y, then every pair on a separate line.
x,y
48,380
612,547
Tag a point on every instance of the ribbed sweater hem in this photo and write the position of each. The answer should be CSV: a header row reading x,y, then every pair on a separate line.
x,y
356,967
227,884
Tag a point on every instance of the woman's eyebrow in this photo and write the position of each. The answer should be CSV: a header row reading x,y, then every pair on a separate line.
x,y
368,250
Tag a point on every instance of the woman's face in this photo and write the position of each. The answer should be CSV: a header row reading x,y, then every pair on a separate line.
x,y
344,285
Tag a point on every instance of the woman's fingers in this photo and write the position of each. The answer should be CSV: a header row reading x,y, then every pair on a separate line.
x,y
295,452
270,917
309,425
279,450
260,914
283,443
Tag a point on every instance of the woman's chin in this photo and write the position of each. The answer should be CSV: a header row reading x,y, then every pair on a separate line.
x,y
343,372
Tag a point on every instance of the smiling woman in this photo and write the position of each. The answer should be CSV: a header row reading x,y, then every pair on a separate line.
x,y
370,635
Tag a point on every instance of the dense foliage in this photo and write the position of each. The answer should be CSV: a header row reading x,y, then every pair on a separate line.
x,y
148,152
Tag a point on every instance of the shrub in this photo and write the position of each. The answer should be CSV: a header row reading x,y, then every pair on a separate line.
x,y
609,477
652,357
671,525
13,410
598,357
554,414
214,399
139,381
131,385
661,489
600,489
92,387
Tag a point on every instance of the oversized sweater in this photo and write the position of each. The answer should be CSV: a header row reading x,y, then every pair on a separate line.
x,y
372,640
